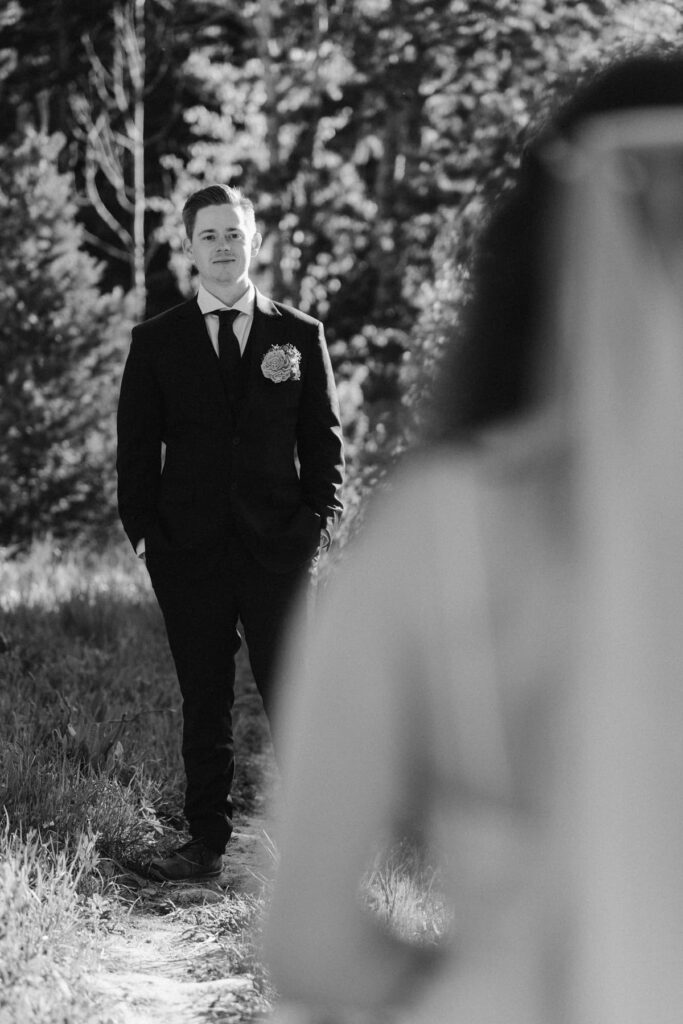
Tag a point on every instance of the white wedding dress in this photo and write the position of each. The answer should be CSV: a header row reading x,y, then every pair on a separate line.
x,y
500,661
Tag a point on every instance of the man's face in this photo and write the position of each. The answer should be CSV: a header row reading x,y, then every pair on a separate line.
x,y
222,245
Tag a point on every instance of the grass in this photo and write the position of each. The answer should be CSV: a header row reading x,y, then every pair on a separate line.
x,y
50,910
404,890
91,782
90,710
90,764
234,925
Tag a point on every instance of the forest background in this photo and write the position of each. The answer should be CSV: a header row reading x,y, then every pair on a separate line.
x,y
374,137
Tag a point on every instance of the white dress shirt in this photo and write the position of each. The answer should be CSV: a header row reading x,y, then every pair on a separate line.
x,y
208,304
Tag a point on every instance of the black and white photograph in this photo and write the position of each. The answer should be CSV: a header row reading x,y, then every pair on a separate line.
x,y
341,512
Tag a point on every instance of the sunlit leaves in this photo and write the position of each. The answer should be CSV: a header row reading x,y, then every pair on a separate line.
x,y
57,390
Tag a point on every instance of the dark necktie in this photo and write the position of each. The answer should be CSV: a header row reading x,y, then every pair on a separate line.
x,y
229,353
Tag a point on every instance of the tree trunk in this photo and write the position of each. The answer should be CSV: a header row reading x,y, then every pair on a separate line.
x,y
266,44
138,140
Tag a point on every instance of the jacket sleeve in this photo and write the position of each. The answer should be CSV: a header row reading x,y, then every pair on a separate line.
x,y
351,753
140,436
319,436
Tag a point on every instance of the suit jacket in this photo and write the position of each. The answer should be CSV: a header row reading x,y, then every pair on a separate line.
x,y
262,459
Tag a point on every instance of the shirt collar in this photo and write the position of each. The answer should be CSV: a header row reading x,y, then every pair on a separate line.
x,y
208,303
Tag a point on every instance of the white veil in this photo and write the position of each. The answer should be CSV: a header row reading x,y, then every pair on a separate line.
x,y
622,333
576,914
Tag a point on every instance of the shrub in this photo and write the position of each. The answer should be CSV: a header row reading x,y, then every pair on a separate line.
x,y
58,348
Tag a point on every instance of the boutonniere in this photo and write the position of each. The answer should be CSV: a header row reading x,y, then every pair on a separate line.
x,y
281,362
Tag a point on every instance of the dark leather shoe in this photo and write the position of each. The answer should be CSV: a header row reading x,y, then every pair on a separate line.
x,y
192,861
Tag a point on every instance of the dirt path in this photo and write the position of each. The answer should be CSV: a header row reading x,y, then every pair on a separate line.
x,y
171,959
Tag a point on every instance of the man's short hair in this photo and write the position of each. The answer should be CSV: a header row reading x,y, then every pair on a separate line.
x,y
214,195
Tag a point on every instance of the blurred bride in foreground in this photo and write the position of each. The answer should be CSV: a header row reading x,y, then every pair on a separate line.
x,y
500,661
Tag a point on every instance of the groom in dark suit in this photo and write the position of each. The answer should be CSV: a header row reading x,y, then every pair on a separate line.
x,y
229,475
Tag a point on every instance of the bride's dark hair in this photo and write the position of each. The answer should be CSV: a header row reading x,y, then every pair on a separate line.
x,y
490,375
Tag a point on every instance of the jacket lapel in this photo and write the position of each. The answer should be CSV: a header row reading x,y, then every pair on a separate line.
x,y
201,354
194,333
265,330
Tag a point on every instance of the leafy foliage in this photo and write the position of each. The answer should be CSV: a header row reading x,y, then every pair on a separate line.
x,y
56,352
522,61
374,137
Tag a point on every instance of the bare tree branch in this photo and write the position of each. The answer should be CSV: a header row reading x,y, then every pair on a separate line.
x,y
152,249
125,141
100,76
112,123
105,155
102,211
106,248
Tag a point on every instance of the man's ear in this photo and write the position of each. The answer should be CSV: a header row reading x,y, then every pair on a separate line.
x,y
256,242
187,247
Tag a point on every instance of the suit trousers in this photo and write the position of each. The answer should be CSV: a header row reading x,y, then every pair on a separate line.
x,y
201,618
